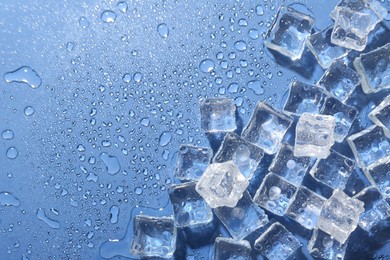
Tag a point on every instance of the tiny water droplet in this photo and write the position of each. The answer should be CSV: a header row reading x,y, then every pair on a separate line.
x,y
24,74
138,191
127,78
145,121
165,138
114,213
122,6
70,46
240,45
83,22
108,16
206,65
163,30
28,111
138,77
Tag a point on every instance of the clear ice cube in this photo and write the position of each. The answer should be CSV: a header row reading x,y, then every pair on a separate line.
x,y
374,67
277,243
218,115
289,32
339,80
339,215
303,98
286,165
305,207
381,115
349,30
154,236
230,249
370,218
192,161
190,209
245,155
314,135
344,115
369,145
333,171
323,49
267,128
275,194
323,246
242,219
222,184
379,175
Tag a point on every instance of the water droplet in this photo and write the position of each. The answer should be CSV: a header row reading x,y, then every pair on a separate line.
x,y
138,77
259,10
206,65
255,85
165,138
70,46
12,153
240,45
51,223
114,213
108,16
83,22
7,134
111,162
253,34
122,6
145,121
163,30
24,74
28,111
8,199
138,191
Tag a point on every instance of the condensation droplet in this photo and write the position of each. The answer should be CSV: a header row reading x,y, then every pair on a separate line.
x,y
12,153
163,30
7,134
108,16
24,74
28,111
165,138
206,65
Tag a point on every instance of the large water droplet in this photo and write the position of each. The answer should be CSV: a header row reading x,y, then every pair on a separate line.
x,y
206,65
122,6
7,134
240,45
138,191
163,30
165,138
28,111
255,85
114,213
51,223
108,16
8,199
24,74
138,77
145,121
127,78
111,162
12,153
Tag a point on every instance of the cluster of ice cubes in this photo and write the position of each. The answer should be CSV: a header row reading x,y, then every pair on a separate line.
x,y
216,185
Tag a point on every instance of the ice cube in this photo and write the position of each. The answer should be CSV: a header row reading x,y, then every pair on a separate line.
x,y
230,249
289,32
222,184
323,246
245,155
277,243
303,98
379,175
218,115
369,145
286,165
323,49
242,219
339,80
344,115
314,135
305,207
333,171
275,194
192,161
374,67
189,207
154,236
339,215
267,128
381,115
349,30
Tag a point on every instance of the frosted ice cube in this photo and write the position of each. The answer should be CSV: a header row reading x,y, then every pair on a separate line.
x,y
154,236
286,165
218,115
369,145
370,218
339,80
305,207
275,194
314,135
381,115
245,155
303,98
242,219
289,32
323,246
344,115
379,175
323,49
333,171
349,30
230,249
267,128
222,184
339,215
192,161
374,67
189,207
277,243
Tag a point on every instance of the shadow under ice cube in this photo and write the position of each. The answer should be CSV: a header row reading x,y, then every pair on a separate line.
x,y
218,115
230,249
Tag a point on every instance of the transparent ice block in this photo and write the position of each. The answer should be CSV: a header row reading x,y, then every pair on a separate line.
x,y
323,246
218,115
381,115
230,249
379,175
